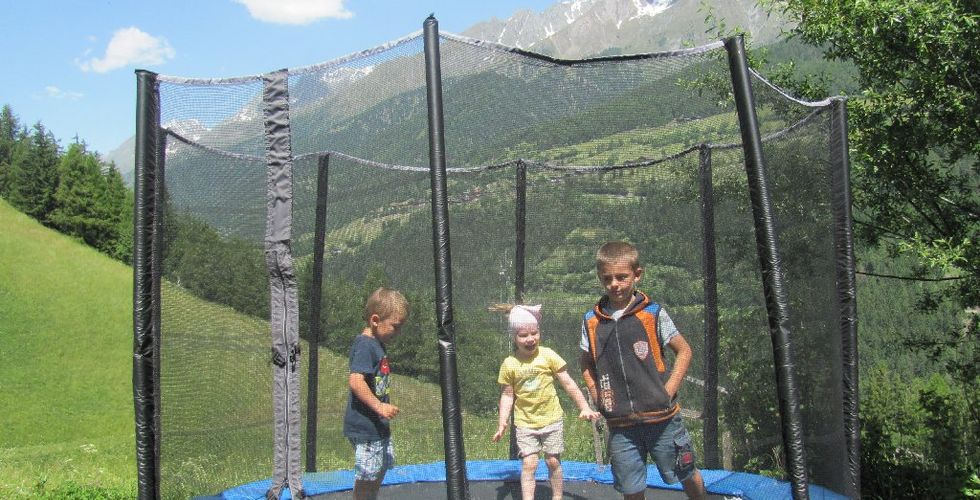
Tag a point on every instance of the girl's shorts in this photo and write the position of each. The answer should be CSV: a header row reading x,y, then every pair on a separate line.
x,y
549,439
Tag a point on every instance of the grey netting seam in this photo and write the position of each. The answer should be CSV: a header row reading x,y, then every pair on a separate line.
x,y
812,104
296,71
358,55
211,81
408,168
553,61
541,165
213,150
777,134
624,166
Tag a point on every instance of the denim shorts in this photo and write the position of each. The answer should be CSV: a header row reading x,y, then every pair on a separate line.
x,y
372,459
667,442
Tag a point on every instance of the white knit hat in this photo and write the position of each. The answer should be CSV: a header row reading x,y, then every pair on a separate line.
x,y
524,316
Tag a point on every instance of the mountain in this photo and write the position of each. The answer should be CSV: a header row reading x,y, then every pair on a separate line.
x,y
568,29
124,156
583,28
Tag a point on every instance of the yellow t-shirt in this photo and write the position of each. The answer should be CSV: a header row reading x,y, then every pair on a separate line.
x,y
535,400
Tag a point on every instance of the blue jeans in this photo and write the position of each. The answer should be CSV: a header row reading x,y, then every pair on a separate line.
x,y
667,442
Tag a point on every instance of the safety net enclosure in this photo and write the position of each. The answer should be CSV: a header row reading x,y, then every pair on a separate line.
x,y
464,173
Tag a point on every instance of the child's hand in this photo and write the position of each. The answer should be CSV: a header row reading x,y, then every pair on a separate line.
x,y
499,434
589,414
388,411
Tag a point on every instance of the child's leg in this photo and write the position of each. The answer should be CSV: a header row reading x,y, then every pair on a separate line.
x,y
555,475
694,486
372,460
366,489
528,467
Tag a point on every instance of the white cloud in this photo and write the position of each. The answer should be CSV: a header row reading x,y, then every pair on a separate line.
x,y
296,11
130,46
56,93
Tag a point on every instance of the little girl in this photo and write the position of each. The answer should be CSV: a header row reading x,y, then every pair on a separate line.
x,y
527,379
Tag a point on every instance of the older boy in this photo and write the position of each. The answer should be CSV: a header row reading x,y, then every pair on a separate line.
x,y
626,372
366,422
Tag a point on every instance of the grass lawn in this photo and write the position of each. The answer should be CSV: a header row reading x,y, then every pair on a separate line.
x,y
65,383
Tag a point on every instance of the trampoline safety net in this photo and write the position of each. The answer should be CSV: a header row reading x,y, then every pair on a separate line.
x,y
546,160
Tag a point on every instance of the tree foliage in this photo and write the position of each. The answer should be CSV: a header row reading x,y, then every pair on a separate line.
x,y
915,127
915,148
74,191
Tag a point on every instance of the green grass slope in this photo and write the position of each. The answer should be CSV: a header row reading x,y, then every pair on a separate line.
x,y
65,379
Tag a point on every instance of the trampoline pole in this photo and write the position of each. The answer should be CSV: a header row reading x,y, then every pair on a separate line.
x,y
710,284
773,281
456,485
147,218
846,288
520,237
520,225
316,294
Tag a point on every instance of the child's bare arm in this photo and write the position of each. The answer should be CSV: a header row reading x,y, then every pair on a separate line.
x,y
682,360
362,391
506,404
572,389
588,374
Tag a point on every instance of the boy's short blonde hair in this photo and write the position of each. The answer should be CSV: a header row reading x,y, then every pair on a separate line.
x,y
617,251
385,302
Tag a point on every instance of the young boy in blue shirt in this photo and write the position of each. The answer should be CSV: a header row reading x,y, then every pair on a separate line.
x,y
369,412
625,370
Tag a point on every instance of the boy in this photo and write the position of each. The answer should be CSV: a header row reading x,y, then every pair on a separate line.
x,y
625,370
366,422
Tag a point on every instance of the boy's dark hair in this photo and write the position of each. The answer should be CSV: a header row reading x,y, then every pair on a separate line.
x,y
617,251
385,302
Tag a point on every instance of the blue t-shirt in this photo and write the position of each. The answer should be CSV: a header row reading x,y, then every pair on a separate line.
x,y
367,356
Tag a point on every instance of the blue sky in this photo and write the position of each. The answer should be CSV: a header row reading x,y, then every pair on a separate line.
x,y
69,63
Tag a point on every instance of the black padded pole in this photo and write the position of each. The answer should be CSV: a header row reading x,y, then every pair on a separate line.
x,y
846,288
456,486
316,303
709,417
520,244
146,296
773,281
520,225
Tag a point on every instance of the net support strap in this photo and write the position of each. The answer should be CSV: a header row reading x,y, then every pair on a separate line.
x,y
284,308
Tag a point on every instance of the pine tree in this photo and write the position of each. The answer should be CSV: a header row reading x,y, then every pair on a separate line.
x,y
11,145
34,175
120,202
81,205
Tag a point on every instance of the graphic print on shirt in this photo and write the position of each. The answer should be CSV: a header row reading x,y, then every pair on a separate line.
x,y
606,394
381,384
529,378
641,349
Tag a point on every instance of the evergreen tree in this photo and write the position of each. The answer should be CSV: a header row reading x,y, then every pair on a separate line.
x,y
120,201
11,144
34,177
81,203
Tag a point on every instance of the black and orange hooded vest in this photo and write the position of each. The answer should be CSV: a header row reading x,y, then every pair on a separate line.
x,y
630,367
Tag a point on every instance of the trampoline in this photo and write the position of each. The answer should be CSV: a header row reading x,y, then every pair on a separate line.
x,y
268,204
500,479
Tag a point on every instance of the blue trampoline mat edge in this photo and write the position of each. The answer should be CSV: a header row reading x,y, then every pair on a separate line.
x,y
718,482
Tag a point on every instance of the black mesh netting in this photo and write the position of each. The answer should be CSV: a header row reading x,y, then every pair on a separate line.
x,y
602,150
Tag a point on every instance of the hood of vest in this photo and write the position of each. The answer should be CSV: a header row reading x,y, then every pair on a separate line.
x,y
640,300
